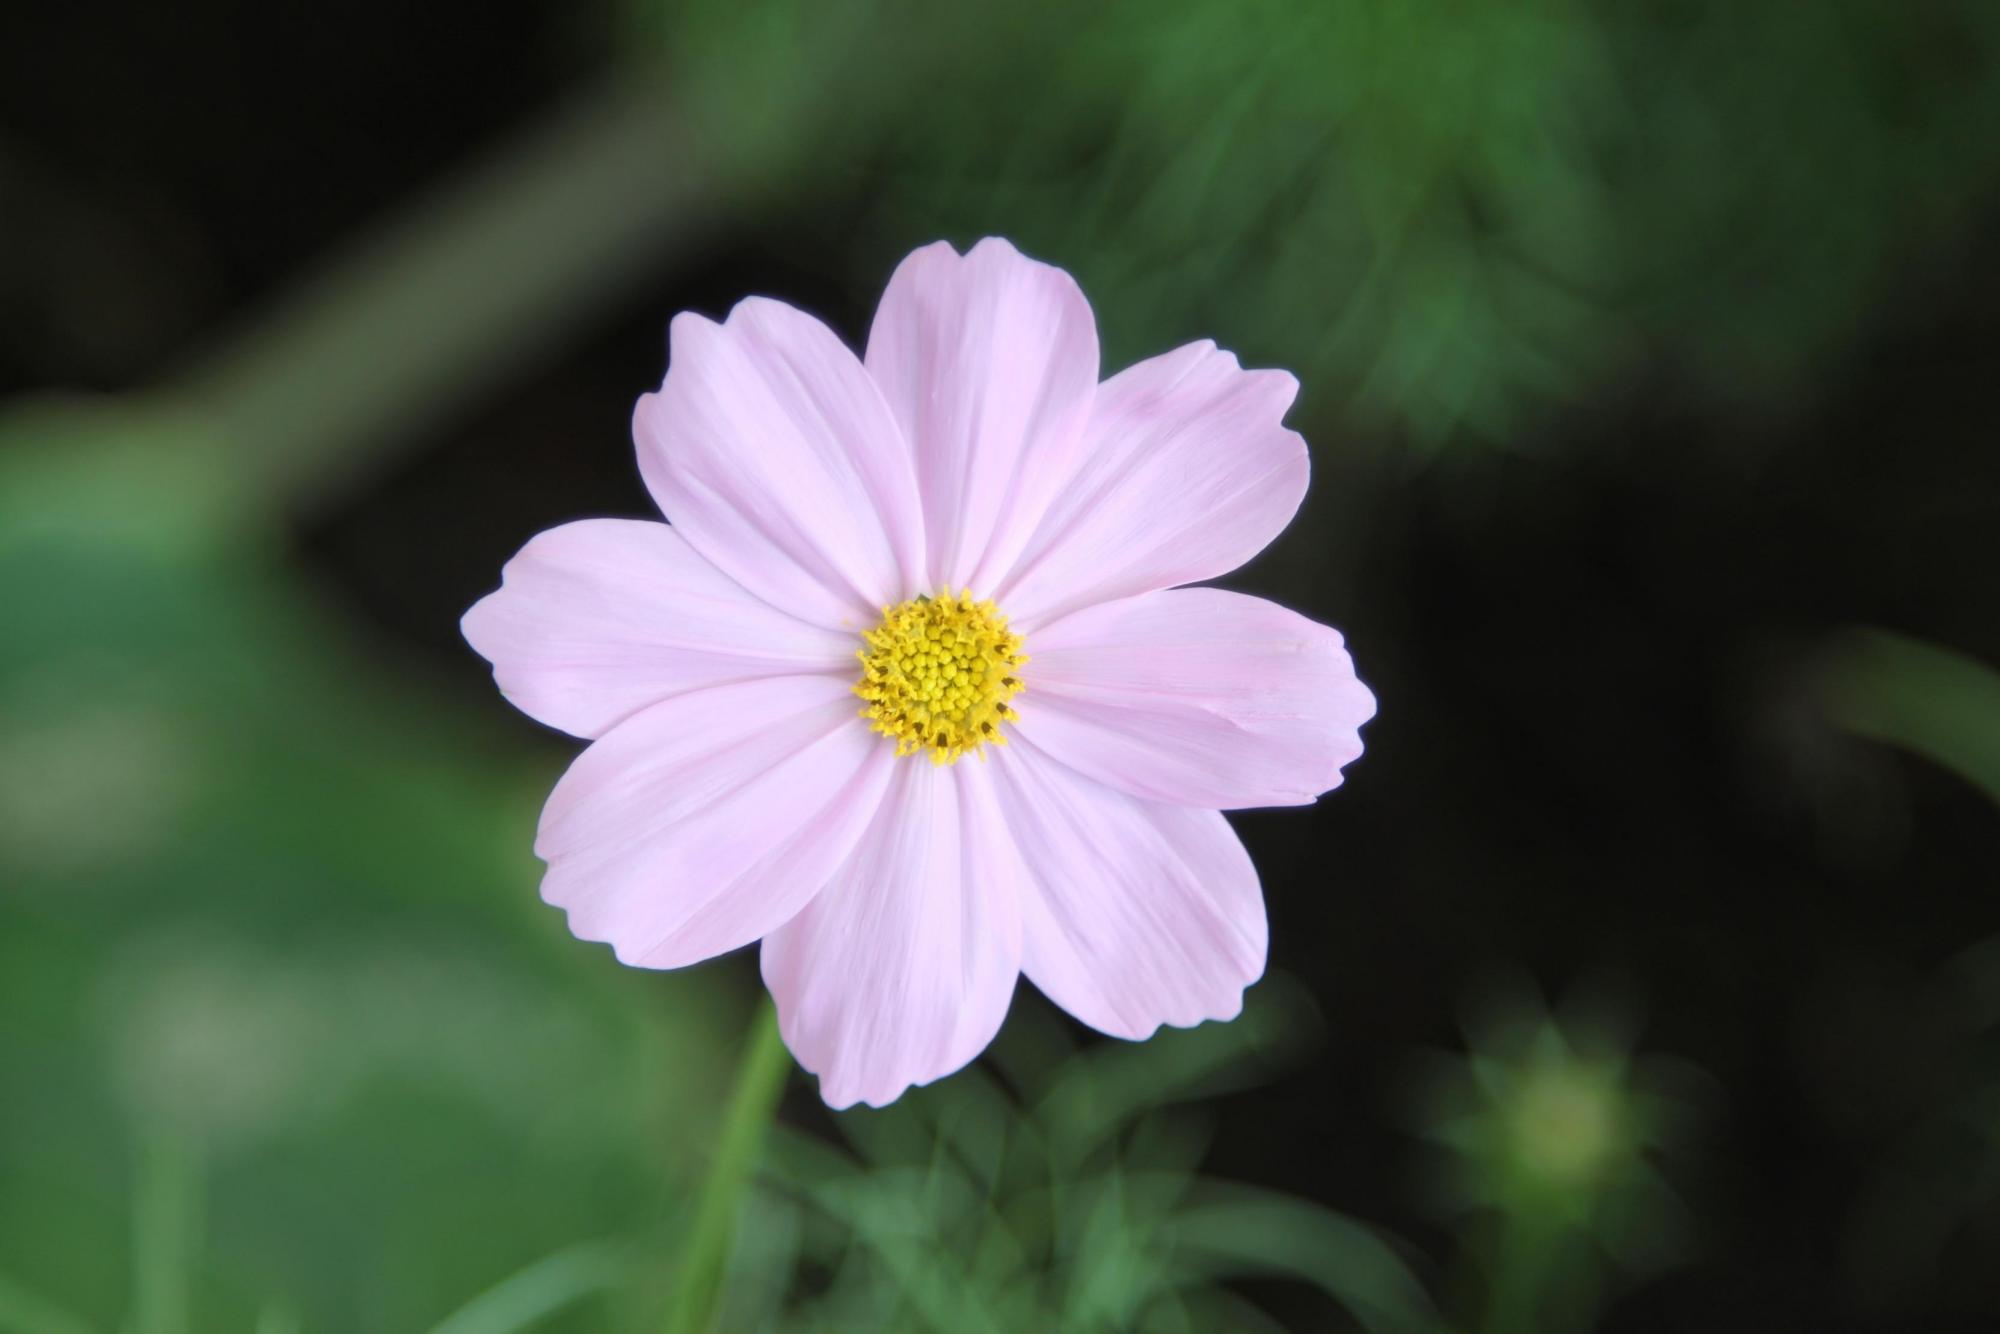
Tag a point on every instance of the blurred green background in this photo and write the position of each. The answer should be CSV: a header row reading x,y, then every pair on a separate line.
x,y
1644,976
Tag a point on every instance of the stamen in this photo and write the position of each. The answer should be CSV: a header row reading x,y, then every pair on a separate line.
x,y
937,674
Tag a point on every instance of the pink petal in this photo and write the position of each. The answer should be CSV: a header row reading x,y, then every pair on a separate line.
x,y
708,820
595,620
770,449
1198,697
902,969
1186,471
989,362
1138,914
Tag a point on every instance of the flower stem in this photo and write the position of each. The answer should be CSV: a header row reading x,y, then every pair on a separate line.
x,y
166,1234
760,1078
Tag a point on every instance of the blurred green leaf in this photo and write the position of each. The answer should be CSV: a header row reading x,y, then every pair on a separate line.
x,y
1245,1231
22,1312
524,1300
1080,1210
1929,700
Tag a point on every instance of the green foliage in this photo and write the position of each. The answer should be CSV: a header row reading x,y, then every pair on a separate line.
x,y
285,1022
1065,1195
1448,216
1551,1132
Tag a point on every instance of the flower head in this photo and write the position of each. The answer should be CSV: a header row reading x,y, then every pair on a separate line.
x,y
967,531
937,675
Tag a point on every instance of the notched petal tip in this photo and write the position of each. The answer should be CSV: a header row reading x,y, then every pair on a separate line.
x,y
645,414
1222,1012
841,1085
1353,706
904,967
1279,383
933,252
690,324
475,625
1186,471
1366,704
1198,697
842,1095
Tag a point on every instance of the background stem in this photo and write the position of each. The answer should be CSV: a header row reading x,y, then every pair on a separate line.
x,y
760,1079
415,320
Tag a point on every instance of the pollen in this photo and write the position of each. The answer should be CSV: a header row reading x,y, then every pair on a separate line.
x,y
937,674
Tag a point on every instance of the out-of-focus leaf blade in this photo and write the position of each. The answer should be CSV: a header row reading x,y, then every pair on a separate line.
x,y
1940,704
1241,1231
550,1284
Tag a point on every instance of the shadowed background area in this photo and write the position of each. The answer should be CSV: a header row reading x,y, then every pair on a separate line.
x,y
1644,975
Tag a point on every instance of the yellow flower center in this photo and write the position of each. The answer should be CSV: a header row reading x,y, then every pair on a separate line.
x,y
937,674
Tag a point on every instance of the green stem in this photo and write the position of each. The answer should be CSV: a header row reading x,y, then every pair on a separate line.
x,y
760,1078
1522,1295
166,1234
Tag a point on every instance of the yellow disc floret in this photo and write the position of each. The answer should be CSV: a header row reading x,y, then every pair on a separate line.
x,y
937,674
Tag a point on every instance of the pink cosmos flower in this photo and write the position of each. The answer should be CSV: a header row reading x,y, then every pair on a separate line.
x,y
909,690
